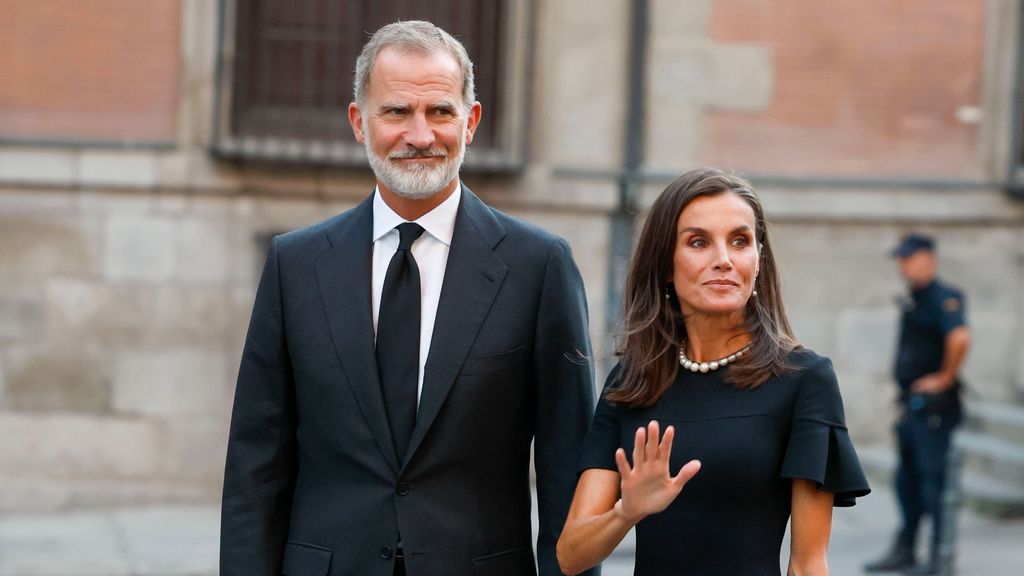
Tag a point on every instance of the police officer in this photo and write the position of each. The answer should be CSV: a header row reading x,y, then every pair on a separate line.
x,y
933,343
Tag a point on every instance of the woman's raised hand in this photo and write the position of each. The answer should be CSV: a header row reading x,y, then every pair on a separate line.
x,y
648,487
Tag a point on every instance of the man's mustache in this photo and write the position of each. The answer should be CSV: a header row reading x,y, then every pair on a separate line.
x,y
413,153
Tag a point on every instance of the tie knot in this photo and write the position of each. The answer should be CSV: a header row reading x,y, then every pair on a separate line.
x,y
407,234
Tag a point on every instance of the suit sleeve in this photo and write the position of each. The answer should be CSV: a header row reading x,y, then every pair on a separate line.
x,y
564,380
260,471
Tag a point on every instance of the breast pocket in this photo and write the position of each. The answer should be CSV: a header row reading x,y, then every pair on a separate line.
x,y
514,359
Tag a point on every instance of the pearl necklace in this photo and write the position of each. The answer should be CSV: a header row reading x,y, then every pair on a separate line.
x,y
704,367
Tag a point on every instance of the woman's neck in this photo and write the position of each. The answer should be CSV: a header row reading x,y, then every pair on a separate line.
x,y
712,337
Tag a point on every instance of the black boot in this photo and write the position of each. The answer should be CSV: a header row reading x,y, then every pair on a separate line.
x,y
900,557
926,569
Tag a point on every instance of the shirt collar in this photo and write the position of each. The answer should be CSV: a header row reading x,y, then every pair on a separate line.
x,y
439,222
924,290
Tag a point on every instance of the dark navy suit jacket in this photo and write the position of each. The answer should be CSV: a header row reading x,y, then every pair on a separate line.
x,y
313,485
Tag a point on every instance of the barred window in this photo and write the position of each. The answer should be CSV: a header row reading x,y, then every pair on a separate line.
x,y
286,69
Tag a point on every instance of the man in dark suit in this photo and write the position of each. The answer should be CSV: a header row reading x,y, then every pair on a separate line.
x,y
402,356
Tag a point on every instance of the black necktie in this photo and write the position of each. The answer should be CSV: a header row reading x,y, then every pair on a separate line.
x,y
398,338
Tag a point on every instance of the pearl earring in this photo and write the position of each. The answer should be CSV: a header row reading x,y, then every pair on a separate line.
x,y
754,294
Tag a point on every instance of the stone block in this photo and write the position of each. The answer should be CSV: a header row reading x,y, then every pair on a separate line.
x,y
680,70
45,167
154,538
41,380
33,202
171,203
133,314
42,245
869,402
21,318
41,545
690,75
813,328
78,446
119,169
170,383
888,205
31,494
202,254
542,190
990,365
38,493
280,215
190,315
277,180
105,203
740,77
98,312
674,19
672,137
195,170
867,340
346,185
586,51
973,275
139,248
196,446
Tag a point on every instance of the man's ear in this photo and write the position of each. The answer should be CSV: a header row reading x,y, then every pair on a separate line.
x,y
355,119
472,121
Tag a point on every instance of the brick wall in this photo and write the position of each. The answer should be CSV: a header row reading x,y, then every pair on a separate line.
x,y
102,70
871,87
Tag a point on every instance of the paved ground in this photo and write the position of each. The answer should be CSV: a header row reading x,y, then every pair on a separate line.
x,y
182,541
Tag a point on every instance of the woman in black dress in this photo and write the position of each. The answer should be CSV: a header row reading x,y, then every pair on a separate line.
x,y
709,355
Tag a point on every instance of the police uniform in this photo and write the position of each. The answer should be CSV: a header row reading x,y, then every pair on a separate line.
x,y
928,420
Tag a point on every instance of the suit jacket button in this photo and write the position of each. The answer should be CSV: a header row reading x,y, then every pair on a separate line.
x,y
386,552
403,489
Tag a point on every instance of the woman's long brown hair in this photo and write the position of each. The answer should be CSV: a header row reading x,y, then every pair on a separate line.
x,y
653,327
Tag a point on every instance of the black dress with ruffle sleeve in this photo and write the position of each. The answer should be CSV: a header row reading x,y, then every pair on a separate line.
x,y
731,517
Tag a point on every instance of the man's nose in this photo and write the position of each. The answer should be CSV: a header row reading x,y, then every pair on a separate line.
x,y
419,133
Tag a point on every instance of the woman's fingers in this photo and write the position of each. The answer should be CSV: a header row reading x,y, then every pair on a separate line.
x,y
622,463
653,435
639,445
665,447
686,473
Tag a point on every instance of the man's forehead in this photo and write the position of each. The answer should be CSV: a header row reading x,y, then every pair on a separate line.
x,y
401,52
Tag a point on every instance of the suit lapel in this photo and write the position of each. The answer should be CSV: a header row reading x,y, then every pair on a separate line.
x,y
344,273
472,278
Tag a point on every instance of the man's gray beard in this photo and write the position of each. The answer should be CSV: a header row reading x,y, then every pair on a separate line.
x,y
415,182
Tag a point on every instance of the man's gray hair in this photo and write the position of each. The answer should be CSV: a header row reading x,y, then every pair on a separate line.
x,y
414,36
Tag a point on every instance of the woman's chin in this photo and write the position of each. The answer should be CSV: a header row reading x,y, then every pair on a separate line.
x,y
718,308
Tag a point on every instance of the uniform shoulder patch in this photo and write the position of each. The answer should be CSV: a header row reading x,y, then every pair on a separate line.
x,y
951,304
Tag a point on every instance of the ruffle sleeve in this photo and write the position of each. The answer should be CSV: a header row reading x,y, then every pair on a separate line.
x,y
819,447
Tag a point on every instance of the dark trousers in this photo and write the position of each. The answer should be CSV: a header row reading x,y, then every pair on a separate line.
x,y
921,476
399,566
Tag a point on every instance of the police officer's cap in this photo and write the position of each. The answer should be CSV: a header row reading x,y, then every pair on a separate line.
x,y
912,243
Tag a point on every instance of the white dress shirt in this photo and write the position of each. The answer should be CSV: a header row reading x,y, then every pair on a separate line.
x,y
431,253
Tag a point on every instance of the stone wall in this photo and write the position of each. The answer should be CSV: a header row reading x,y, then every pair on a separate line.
x,y
127,273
